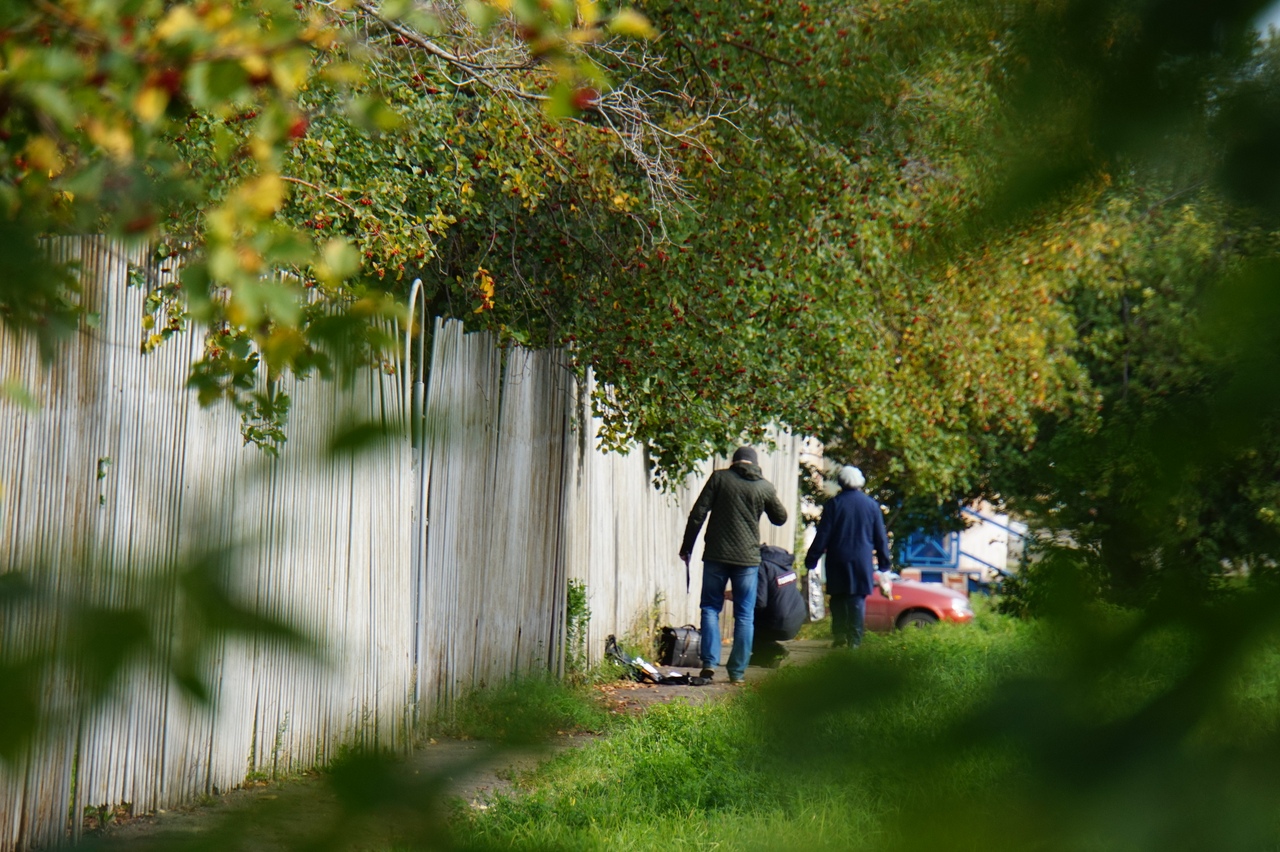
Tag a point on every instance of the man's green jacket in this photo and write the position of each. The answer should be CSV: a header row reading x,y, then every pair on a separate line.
x,y
735,497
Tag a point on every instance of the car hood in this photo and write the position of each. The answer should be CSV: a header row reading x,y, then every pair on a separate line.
x,y
927,588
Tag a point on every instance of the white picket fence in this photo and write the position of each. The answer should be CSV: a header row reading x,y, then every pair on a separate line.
x,y
425,568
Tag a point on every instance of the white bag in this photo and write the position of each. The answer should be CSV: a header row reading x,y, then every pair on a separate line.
x,y
813,591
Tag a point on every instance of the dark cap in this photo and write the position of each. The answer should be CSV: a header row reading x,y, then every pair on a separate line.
x,y
747,454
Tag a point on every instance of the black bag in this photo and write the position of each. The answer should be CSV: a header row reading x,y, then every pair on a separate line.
x,y
679,646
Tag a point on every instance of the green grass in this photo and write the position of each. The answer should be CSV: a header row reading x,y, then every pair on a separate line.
x,y
524,712
998,735
680,777
782,767
820,629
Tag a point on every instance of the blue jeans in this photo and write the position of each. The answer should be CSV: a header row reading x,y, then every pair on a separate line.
x,y
715,575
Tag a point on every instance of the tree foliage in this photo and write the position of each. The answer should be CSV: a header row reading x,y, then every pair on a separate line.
x,y
874,224
298,163
725,222
801,286
1168,488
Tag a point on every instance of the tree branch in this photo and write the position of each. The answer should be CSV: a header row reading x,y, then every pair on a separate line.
x,y
331,196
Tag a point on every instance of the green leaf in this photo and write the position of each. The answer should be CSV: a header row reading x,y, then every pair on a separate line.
x,y
215,85
424,21
630,23
394,10
53,100
339,261
373,114
20,395
483,15
225,143
288,247
559,103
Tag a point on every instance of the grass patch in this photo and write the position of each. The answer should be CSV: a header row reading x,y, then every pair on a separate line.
x,y
999,734
820,629
525,711
678,777
805,762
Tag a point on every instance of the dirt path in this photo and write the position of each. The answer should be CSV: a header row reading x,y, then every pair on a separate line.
x,y
454,772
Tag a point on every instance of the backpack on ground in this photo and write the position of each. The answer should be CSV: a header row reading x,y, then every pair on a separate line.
x,y
680,646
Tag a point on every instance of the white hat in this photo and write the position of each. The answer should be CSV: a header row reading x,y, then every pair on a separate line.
x,y
850,477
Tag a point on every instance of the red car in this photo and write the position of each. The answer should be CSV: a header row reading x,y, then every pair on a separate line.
x,y
916,604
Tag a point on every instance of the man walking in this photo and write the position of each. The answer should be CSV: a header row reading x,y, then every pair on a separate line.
x,y
850,531
735,497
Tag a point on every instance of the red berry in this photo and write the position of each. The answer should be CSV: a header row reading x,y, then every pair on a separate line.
x,y
585,98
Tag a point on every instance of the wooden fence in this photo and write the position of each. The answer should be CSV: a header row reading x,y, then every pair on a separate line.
x,y
120,479
431,564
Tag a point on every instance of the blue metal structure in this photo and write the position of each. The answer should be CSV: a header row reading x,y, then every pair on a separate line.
x,y
986,520
1002,572
922,550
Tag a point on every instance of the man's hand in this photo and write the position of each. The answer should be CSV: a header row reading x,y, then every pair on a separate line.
x,y
684,557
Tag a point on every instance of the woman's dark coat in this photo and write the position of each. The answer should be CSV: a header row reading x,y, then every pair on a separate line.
x,y
850,531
